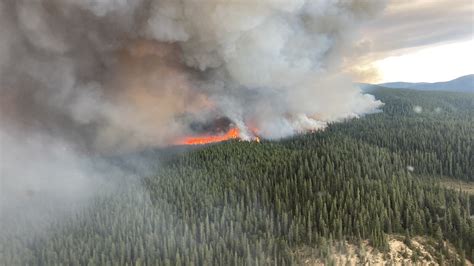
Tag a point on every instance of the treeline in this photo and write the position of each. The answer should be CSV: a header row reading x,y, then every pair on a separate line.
x,y
247,203
432,131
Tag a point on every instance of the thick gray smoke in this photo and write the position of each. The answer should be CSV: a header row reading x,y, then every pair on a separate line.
x,y
118,74
85,76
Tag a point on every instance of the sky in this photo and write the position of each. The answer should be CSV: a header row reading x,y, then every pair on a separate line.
x,y
429,64
418,41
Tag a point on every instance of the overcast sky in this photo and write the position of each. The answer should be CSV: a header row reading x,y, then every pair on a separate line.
x,y
419,40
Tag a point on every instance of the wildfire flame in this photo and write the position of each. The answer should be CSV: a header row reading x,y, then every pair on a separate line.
x,y
233,133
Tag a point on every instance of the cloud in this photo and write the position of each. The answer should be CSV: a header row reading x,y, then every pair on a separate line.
x,y
408,24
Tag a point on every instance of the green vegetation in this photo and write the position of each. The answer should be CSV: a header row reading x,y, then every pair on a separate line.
x,y
241,203
439,140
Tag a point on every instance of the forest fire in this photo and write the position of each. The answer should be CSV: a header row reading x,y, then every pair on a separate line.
x,y
233,133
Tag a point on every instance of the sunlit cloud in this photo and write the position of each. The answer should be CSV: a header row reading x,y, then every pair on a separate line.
x,y
416,41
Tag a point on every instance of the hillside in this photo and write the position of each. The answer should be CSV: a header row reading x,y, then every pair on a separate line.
x,y
461,84
367,180
400,251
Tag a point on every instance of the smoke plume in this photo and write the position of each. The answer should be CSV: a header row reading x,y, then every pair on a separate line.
x,y
89,77
116,75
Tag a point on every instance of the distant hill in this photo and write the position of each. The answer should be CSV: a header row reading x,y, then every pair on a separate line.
x,y
461,84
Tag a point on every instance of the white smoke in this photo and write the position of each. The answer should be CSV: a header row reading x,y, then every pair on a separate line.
x,y
284,52
116,73
41,180
417,109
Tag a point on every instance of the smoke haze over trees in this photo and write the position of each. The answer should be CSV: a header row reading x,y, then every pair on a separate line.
x,y
249,203
79,78
89,89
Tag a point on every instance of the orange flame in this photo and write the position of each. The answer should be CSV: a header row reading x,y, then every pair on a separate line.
x,y
233,133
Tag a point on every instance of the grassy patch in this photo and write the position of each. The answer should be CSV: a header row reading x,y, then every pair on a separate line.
x,y
456,184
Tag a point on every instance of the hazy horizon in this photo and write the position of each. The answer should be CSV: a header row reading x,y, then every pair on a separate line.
x,y
421,81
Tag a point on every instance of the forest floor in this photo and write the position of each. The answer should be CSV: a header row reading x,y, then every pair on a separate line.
x,y
420,251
